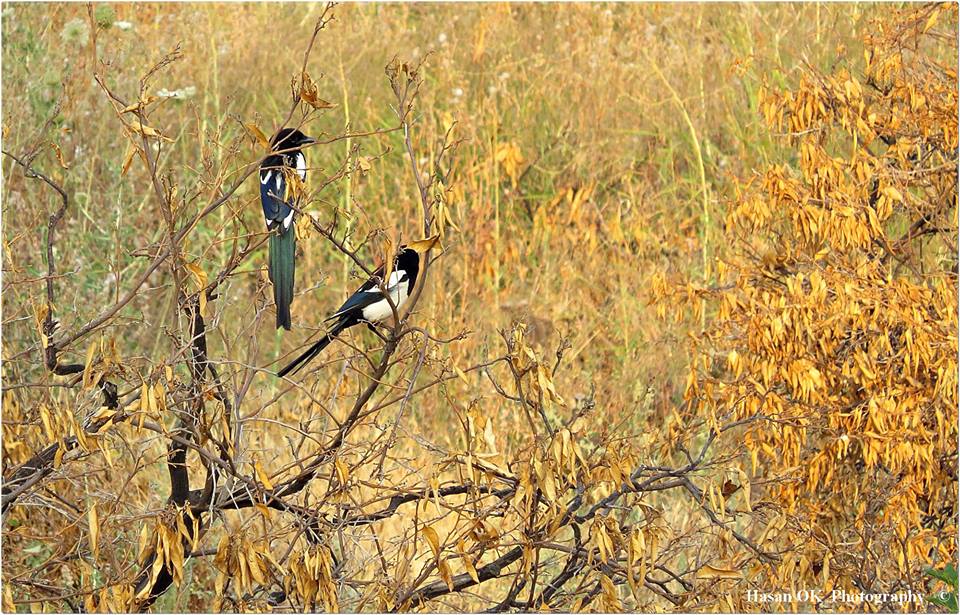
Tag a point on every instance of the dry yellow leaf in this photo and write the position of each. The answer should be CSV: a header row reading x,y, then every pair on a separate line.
x,y
467,562
45,419
93,522
8,604
58,456
59,153
140,104
128,158
138,127
262,475
892,193
309,94
432,539
254,131
88,365
444,569
200,277
712,572
343,472
253,560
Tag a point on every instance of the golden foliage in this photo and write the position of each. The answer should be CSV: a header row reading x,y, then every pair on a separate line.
x,y
311,577
834,339
574,470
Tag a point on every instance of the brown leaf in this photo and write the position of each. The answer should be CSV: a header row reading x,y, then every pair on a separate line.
x,y
140,104
200,277
253,561
8,604
93,522
88,365
138,127
294,188
444,569
309,94
432,539
58,456
712,572
467,562
424,245
729,488
343,473
254,131
59,152
262,475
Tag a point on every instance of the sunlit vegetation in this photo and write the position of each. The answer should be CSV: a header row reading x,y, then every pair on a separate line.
x,y
690,331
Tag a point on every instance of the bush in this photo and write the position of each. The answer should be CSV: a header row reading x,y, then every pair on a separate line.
x,y
834,339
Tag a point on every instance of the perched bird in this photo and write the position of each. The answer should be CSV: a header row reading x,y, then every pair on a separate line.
x,y
369,303
277,199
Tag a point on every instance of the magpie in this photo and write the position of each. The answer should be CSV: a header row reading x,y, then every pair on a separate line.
x,y
369,303
277,201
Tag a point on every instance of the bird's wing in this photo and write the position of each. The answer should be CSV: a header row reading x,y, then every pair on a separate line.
x,y
273,187
370,293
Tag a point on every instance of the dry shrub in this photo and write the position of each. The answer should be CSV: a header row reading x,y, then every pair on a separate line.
x,y
524,440
834,339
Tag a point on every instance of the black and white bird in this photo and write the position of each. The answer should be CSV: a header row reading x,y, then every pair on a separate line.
x,y
369,303
278,209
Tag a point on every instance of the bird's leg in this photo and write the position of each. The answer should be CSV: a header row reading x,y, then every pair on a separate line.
x,y
373,328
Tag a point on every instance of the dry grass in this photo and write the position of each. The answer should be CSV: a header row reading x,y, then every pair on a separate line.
x,y
631,122
571,87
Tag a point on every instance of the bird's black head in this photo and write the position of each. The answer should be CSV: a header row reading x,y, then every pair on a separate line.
x,y
288,138
408,260
409,257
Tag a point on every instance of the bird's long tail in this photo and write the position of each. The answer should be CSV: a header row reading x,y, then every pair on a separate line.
x,y
295,365
283,251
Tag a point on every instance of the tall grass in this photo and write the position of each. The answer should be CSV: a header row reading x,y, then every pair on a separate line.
x,y
632,122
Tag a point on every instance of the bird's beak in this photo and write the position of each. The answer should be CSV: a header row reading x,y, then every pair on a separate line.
x,y
425,245
308,141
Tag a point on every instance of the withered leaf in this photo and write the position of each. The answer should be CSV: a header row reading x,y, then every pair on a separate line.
x,y
309,94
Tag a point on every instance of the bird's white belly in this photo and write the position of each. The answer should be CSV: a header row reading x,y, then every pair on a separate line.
x,y
376,312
